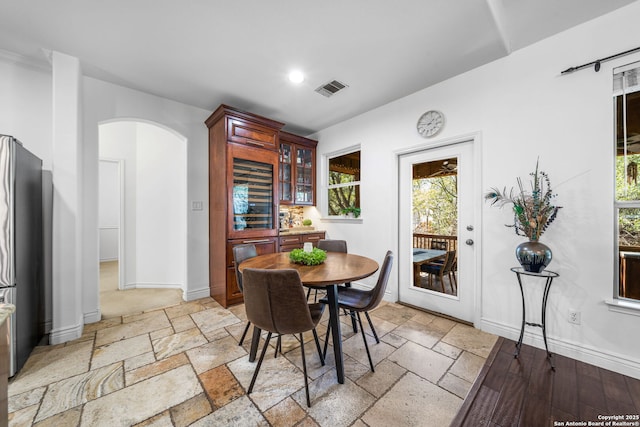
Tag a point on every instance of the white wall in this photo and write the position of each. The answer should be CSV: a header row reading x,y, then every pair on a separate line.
x,y
161,208
109,209
522,108
155,202
104,102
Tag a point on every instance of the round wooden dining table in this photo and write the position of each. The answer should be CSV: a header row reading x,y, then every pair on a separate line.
x,y
337,268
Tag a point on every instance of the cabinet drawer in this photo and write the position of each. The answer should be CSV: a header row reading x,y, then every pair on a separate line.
x,y
267,245
313,238
252,134
290,240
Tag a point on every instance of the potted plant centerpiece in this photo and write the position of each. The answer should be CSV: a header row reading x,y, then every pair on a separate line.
x,y
533,211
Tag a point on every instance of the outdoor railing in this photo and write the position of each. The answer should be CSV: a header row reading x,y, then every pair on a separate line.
x,y
434,241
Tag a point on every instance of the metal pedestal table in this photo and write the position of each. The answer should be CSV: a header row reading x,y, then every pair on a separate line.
x,y
548,276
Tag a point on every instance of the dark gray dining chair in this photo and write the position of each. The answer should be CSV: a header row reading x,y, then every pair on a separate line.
x,y
275,302
362,300
328,245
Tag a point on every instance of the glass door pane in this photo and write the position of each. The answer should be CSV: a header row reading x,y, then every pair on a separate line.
x,y
252,195
285,173
435,224
304,175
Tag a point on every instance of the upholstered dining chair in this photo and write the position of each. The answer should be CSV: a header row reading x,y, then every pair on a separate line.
x,y
359,300
440,270
275,302
241,253
328,245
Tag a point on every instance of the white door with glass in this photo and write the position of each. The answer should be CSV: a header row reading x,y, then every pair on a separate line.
x,y
437,237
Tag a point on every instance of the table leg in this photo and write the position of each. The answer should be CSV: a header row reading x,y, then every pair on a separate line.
x,y
544,318
255,340
519,343
334,320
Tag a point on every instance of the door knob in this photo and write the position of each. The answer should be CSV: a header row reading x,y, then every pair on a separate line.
x,y
469,242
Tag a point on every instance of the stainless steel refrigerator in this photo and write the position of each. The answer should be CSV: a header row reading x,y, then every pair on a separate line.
x,y
21,248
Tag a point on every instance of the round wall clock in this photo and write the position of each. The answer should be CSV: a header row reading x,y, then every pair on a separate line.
x,y
430,123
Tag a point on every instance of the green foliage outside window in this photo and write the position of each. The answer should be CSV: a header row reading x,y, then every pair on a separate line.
x,y
627,189
435,205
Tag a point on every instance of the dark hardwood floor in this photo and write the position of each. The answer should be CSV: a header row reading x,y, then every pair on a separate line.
x,y
526,392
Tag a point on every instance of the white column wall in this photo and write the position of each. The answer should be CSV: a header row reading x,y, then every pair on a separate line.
x,y
522,109
67,207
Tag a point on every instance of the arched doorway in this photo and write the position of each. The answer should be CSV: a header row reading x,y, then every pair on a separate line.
x,y
142,217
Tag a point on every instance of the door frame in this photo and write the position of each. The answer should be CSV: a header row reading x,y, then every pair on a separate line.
x,y
475,139
121,217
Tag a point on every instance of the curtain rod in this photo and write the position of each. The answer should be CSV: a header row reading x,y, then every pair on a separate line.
x,y
596,63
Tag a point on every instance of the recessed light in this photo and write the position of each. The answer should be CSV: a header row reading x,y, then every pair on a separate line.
x,y
296,76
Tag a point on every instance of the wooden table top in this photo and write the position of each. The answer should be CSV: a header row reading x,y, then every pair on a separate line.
x,y
337,268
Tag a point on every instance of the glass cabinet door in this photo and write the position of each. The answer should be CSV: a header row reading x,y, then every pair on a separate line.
x,y
253,195
286,173
304,175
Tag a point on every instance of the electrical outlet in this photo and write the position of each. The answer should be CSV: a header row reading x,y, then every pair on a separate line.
x,y
574,316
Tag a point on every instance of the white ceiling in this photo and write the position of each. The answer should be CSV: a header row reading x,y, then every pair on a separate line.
x,y
208,52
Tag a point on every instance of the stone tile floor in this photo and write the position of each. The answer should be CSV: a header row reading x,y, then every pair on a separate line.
x,y
182,366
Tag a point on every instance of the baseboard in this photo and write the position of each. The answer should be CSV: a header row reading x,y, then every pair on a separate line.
x,y
63,335
148,285
595,356
92,317
196,294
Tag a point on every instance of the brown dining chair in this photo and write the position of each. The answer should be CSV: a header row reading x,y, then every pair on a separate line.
x,y
359,300
328,245
275,302
241,253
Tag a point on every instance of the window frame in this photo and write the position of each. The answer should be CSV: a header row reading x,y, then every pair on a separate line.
x,y
326,187
620,303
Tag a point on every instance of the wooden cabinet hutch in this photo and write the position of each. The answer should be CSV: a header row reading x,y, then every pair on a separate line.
x,y
297,170
245,178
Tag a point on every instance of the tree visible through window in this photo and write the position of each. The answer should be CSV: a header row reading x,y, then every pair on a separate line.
x,y
344,183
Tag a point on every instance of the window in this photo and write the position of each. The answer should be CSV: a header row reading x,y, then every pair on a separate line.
x,y
344,183
626,95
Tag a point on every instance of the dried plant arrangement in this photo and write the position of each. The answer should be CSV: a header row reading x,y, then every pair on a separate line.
x,y
533,209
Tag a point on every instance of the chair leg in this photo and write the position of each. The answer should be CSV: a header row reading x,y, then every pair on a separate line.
x,y
351,313
326,342
315,338
442,283
366,313
364,338
308,293
244,334
255,374
304,369
278,346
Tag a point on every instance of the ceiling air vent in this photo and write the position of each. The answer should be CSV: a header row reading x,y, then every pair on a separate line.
x,y
331,88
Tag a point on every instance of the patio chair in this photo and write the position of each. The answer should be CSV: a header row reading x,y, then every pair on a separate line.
x,y
440,270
